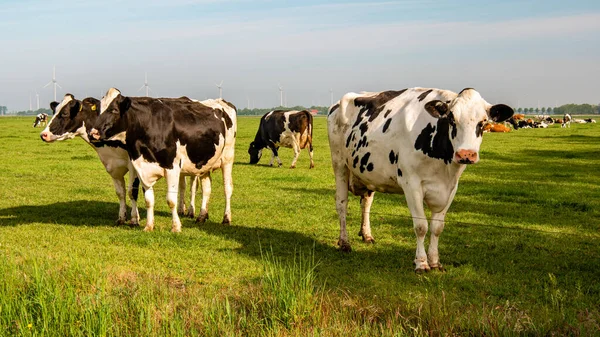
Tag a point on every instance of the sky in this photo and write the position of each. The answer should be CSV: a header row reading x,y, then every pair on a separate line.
x,y
525,53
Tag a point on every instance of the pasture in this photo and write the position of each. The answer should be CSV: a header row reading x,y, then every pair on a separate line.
x,y
521,248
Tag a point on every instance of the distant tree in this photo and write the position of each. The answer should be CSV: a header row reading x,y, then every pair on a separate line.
x,y
3,110
576,109
519,110
537,110
549,110
543,110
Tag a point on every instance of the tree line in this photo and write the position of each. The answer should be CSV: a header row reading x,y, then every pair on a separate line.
x,y
321,110
571,109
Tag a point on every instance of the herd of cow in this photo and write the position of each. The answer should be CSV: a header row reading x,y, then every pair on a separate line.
x,y
414,141
518,121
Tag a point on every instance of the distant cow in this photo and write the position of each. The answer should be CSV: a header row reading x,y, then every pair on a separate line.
x,y
414,141
517,117
493,127
170,138
277,128
566,121
589,120
41,119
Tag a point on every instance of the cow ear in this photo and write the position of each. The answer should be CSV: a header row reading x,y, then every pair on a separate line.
x,y
124,104
437,108
500,112
53,106
76,108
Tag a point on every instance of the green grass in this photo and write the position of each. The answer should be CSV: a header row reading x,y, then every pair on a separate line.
x,y
521,248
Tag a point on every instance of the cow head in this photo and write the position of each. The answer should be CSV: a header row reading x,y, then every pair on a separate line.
x,y
69,118
255,153
112,121
458,133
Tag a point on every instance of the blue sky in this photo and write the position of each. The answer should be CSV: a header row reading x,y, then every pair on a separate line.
x,y
515,52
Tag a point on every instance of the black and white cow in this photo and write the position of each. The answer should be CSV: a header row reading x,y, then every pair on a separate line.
x,y
414,141
41,120
169,138
566,121
277,128
74,118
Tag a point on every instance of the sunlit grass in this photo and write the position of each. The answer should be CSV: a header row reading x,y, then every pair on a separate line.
x,y
520,248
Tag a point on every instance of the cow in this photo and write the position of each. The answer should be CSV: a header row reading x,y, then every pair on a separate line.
x,y
41,120
277,128
493,127
566,121
169,138
589,120
72,118
414,141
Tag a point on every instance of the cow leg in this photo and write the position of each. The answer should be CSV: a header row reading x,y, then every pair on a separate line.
x,y
228,187
149,196
181,209
296,149
172,177
366,200
414,199
310,153
205,180
134,185
193,189
120,191
437,226
341,202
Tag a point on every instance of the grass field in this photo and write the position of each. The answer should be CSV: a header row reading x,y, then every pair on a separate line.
x,y
521,248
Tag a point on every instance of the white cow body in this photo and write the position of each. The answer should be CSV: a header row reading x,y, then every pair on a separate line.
x,y
392,142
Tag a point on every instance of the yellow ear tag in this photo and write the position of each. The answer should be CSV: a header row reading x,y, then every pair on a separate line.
x,y
80,107
94,107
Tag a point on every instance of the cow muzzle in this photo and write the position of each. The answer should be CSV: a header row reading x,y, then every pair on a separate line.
x,y
94,135
466,157
46,136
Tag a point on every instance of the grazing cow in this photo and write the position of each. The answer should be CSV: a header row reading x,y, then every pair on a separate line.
x,y
41,120
414,141
589,120
169,138
559,121
566,121
283,128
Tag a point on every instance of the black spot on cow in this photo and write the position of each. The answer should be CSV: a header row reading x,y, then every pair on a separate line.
x,y
479,129
350,137
370,167
363,128
229,104
393,157
362,142
373,106
333,108
387,113
386,125
135,187
364,161
399,173
424,95
438,145
355,162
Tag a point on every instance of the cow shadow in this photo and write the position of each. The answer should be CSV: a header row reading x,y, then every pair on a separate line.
x,y
73,213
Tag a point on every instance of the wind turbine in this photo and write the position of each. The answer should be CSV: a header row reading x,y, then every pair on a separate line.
x,y
145,84
30,107
220,86
331,93
37,98
54,82
280,95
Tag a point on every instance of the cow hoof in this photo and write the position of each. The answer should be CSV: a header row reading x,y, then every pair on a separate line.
x,y
293,166
190,214
420,271
438,267
312,166
175,230
133,224
421,267
280,165
202,218
226,221
368,239
120,222
148,229
345,246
